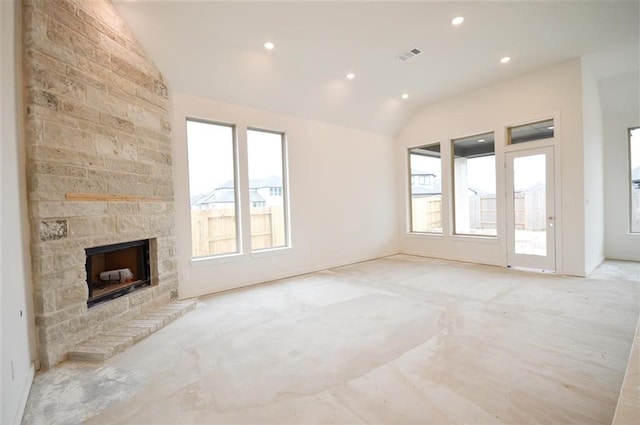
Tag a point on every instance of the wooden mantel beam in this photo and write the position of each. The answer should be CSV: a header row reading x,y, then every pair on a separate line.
x,y
110,197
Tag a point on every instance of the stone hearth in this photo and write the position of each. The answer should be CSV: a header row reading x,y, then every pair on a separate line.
x,y
98,143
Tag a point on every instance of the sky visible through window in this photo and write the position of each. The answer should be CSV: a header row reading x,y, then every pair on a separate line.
x,y
264,154
634,156
210,155
635,153
425,164
481,171
531,171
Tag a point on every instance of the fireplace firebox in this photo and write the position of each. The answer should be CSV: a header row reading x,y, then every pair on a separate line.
x,y
116,270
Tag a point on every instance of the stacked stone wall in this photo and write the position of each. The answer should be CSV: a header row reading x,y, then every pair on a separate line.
x,y
98,142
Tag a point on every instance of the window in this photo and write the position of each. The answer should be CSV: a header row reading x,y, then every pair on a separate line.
x,y
530,132
212,188
634,168
275,191
426,196
474,177
266,161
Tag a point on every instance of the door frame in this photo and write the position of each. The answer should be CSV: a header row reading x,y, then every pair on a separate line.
x,y
547,263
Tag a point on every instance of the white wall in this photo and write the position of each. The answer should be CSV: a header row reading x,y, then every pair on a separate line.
x,y
16,312
342,197
551,92
593,170
621,110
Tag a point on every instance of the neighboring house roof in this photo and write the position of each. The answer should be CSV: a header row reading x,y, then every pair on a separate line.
x,y
218,196
424,190
225,190
255,197
422,173
416,173
270,181
431,189
203,198
225,198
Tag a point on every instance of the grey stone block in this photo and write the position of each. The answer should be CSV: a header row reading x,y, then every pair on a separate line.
x,y
52,230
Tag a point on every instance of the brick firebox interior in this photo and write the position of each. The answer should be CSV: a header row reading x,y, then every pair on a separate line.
x,y
98,144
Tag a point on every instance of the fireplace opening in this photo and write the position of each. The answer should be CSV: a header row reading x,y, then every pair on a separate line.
x,y
116,270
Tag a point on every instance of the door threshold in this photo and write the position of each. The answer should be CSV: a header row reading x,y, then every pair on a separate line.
x,y
531,269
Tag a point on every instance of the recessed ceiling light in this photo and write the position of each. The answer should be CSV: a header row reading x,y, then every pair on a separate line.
x,y
405,96
351,76
269,45
457,20
505,59
480,140
550,128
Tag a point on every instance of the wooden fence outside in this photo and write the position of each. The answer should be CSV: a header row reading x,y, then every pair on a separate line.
x,y
426,213
530,212
213,231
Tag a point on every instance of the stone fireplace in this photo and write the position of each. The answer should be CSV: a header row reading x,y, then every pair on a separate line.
x,y
99,164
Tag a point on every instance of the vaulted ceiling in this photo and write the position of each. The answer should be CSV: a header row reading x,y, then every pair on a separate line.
x,y
216,50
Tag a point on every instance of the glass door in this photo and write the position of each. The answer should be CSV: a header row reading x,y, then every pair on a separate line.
x,y
531,209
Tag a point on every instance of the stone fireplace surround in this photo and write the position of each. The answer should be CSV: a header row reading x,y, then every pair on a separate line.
x,y
99,165
117,269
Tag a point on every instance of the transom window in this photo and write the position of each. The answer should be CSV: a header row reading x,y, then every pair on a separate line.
x,y
531,132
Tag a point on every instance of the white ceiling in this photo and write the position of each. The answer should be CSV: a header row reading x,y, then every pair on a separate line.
x,y
215,50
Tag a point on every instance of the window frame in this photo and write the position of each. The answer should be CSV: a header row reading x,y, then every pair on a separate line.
x,y
285,188
410,227
236,189
630,179
454,225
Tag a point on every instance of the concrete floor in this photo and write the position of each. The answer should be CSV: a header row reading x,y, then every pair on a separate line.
x,y
399,340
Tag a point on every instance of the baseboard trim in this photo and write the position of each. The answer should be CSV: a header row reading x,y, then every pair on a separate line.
x,y
187,292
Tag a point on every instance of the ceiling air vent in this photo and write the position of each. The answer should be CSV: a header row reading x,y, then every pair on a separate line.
x,y
405,56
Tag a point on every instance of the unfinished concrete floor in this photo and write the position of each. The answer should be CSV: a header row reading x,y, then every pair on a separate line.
x,y
399,340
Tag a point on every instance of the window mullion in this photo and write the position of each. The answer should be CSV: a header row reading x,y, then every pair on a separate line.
x,y
244,206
